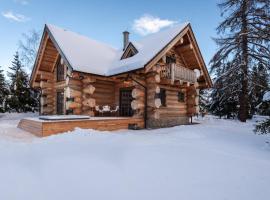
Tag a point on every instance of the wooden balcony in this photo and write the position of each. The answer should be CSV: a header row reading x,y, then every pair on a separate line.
x,y
175,72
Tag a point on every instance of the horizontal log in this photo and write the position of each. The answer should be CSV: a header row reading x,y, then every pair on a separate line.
x,y
89,112
155,114
46,76
72,81
60,85
46,110
185,48
71,93
47,91
172,111
191,110
103,95
72,105
77,111
45,84
36,85
156,68
88,79
45,101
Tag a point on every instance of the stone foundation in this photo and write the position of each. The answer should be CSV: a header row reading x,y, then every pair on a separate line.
x,y
167,122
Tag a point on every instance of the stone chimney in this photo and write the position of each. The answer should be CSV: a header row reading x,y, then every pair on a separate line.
x,y
125,39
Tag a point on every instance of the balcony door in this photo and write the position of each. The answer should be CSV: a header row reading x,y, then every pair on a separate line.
x,y
125,102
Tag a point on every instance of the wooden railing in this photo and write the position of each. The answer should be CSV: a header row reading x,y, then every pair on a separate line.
x,y
175,72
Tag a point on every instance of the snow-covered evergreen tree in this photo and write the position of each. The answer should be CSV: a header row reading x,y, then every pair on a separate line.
x,y
3,91
21,98
224,98
204,100
263,127
244,42
259,85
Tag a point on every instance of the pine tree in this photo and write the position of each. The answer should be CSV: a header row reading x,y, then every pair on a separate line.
x,y
204,101
21,96
263,127
224,94
3,91
259,85
244,41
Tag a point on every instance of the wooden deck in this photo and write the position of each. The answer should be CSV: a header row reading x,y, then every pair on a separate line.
x,y
43,128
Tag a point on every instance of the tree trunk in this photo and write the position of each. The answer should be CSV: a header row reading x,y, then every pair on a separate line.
x,y
243,100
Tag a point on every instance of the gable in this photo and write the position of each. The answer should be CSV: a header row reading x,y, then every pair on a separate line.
x,y
187,47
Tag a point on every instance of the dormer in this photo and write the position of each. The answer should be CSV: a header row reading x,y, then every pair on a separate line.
x,y
129,51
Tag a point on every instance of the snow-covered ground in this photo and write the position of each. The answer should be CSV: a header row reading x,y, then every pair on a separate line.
x,y
217,159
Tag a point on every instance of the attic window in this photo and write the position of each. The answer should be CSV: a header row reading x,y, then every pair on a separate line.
x,y
129,51
170,59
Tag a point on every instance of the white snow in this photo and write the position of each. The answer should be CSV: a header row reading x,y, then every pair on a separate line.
x,y
217,159
87,55
266,96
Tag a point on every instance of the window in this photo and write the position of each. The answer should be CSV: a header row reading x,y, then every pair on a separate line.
x,y
170,59
181,97
60,72
162,96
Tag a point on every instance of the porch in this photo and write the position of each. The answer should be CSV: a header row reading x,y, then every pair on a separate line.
x,y
42,128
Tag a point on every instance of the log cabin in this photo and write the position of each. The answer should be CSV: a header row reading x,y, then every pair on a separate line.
x,y
156,79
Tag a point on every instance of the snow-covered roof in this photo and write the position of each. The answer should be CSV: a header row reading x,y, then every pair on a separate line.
x,y
266,96
90,56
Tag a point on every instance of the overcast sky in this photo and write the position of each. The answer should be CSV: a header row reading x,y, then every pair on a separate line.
x,y
105,20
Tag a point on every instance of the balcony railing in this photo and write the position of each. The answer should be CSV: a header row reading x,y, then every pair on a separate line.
x,y
175,72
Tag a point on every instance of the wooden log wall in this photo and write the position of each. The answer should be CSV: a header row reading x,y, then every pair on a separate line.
x,y
138,103
192,100
73,95
173,107
153,90
48,98
104,93
88,90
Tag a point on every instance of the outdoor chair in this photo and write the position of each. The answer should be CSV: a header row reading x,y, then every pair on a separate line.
x,y
106,109
99,110
115,111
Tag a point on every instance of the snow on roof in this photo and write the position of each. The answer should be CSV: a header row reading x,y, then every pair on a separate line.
x,y
266,96
90,56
